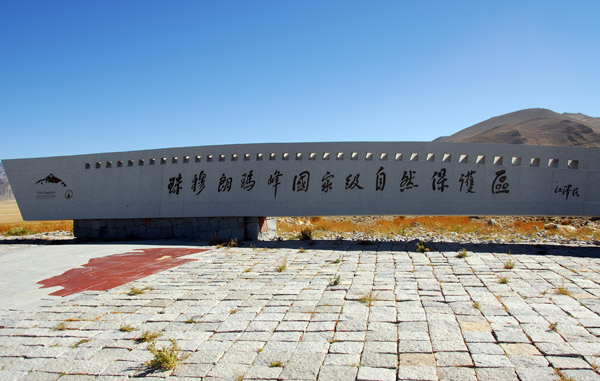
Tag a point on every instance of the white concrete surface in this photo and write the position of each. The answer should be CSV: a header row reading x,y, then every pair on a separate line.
x,y
293,180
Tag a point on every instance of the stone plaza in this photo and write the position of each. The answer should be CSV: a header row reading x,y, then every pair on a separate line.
x,y
276,312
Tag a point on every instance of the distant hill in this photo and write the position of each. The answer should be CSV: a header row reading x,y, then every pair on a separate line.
x,y
536,126
5,190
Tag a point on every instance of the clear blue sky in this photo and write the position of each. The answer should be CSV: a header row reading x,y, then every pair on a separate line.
x,y
101,76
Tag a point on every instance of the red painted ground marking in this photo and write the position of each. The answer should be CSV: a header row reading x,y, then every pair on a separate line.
x,y
101,274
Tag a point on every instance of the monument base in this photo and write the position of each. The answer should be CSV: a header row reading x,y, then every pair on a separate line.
x,y
199,228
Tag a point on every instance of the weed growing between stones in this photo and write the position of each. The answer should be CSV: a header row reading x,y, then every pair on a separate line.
x,y
136,291
462,253
562,290
301,250
553,326
148,337
276,364
165,358
334,282
126,328
234,311
82,341
338,260
503,280
60,326
248,270
509,265
562,376
234,242
282,267
476,305
368,299
190,321
421,248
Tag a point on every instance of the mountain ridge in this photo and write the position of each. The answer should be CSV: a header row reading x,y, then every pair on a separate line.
x,y
535,126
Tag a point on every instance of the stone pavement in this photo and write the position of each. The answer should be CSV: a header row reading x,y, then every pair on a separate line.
x,y
274,312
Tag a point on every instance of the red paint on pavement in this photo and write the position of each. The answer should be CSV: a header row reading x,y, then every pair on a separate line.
x,y
101,274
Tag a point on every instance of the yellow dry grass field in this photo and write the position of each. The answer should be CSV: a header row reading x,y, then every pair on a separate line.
x,y
12,223
389,226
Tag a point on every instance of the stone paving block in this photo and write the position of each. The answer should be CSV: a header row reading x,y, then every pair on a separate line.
x,y
581,374
375,374
379,360
122,368
342,359
556,349
417,359
536,373
448,346
495,374
303,366
520,349
347,347
446,359
37,376
491,361
456,374
228,371
563,362
425,373
337,373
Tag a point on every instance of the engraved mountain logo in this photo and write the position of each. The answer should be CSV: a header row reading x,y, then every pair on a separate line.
x,y
51,179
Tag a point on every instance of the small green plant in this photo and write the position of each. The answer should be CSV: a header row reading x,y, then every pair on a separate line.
x,y
148,337
368,299
17,231
165,358
335,281
476,305
562,290
234,242
462,254
305,234
240,377
503,280
136,291
248,270
190,321
421,248
276,364
338,260
553,326
282,267
234,311
60,326
301,250
126,328
82,341
509,265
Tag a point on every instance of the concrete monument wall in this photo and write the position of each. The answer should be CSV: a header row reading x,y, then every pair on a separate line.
x,y
306,179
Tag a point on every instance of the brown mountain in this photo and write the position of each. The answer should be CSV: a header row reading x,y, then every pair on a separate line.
x,y
536,126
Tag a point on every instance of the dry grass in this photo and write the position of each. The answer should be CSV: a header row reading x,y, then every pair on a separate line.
x,y
407,225
10,219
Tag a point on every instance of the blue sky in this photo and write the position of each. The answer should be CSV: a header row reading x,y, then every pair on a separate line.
x,y
101,76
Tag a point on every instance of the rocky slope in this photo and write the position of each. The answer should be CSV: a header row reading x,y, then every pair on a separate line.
x,y
5,190
535,126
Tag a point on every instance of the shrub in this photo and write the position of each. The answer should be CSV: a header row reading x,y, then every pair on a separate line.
x,y
305,234
166,358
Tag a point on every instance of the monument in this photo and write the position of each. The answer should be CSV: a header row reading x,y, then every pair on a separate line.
x,y
231,191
